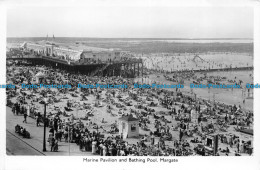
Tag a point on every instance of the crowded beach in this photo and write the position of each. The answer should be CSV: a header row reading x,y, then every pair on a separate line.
x,y
126,121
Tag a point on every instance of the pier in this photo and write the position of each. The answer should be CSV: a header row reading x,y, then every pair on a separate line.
x,y
128,68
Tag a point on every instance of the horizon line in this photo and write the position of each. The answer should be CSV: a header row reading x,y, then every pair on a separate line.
x,y
139,38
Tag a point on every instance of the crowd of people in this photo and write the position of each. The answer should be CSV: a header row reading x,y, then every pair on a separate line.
x,y
172,123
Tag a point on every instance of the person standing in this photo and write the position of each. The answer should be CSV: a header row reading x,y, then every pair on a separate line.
x,y
101,149
242,147
152,139
104,150
37,122
17,109
54,146
28,110
94,147
13,109
38,119
25,117
181,134
238,145
55,124
66,134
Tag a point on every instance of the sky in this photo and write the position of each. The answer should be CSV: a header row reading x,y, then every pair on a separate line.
x,y
131,22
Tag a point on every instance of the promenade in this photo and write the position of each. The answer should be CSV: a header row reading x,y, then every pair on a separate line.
x,y
35,143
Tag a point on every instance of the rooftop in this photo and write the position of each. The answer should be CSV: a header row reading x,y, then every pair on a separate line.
x,y
129,118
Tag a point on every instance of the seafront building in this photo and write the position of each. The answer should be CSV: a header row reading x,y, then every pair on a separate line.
x,y
90,60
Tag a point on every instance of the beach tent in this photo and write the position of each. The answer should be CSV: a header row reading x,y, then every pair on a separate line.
x,y
128,126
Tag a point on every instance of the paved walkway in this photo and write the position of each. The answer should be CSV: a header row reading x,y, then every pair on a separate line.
x,y
15,146
36,140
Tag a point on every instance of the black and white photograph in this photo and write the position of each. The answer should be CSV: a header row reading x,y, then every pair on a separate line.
x,y
146,83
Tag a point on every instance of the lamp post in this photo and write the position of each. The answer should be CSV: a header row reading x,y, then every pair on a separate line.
x,y
44,130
